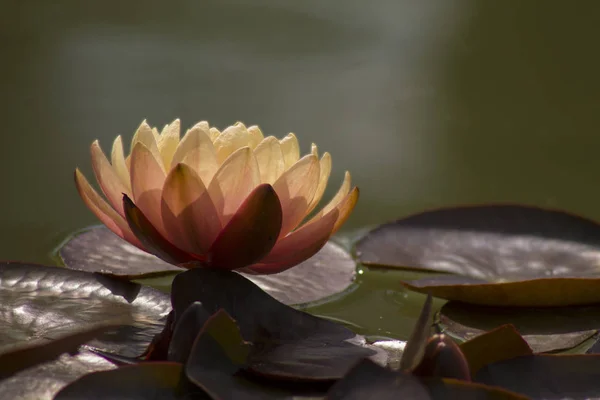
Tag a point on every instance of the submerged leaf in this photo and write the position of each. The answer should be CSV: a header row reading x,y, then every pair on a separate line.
x,y
502,254
97,249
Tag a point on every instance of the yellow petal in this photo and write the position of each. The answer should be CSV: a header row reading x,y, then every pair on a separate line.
x,y
156,134
232,138
256,136
197,150
290,149
188,213
335,201
118,162
345,208
296,189
168,141
103,211
270,160
325,171
233,182
145,135
147,179
314,150
108,179
214,134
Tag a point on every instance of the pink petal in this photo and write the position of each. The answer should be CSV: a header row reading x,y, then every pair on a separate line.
x,y
233,182
324,172
147,179
103,211
108,179
296,188
152,240
188,213
251,233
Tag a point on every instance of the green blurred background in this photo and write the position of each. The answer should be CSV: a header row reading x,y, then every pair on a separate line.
x,y
427,103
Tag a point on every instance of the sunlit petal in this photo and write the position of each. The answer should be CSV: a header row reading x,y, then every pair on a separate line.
x,y
231,139
325,171
145,135
335,201
147,179
233,182
251,233
290,149
168,141
256,136
189,215
270,160
118,162
197,150
103,211
108,179
296,189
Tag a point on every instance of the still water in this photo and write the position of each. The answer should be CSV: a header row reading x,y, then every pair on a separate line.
x,y
427,103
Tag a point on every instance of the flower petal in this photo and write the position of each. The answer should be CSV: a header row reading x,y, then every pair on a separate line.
x,y
189,215
251,233
345,208
213,133
147,179
256,136
297,246
118,162
197,150
105,213
296,189
270,160
290,149
336,200
233,182
148,137
150,237
168,141
231,139
325,171
108,179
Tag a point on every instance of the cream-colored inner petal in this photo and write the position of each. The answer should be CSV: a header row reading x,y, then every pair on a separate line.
x,y
231,139
118,162
290,149
325,171
270,160
168,141
197,150
256,136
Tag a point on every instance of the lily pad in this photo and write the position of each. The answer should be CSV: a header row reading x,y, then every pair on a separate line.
x,y
287,343
501,254
544,329
97,249
143,381
546,376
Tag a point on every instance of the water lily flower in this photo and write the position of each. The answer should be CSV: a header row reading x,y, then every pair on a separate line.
x,y
233,199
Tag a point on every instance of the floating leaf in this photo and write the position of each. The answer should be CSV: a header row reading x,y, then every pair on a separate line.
x,y
544,329
187,329
546,376
502,254
370,381
97,249
143,381
288,343
502,343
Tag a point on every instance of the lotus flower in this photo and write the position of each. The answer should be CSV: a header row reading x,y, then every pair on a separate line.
x,y
232,199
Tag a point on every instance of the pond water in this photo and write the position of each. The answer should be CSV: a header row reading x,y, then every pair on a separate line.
x,y
426,103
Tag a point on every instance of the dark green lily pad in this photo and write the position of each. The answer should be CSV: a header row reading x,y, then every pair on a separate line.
x,y
544,329
546,376
97,249
218,360
501,254
143,381
287,343
370,381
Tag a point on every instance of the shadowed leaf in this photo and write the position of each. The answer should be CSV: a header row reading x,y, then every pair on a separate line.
x,y
544,329
546,376
502,254
97,249
188,326
502,343
288,344
443,358
143,381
